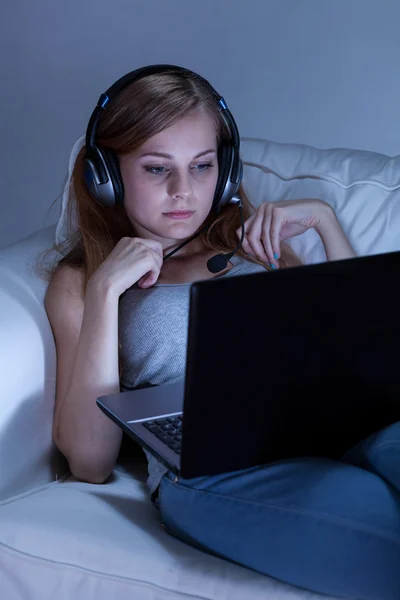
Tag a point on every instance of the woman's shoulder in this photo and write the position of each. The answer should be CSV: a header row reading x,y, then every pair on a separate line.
x,y
66,284
68,274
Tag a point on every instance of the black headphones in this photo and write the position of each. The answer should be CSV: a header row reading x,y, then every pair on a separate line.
x,y
101,170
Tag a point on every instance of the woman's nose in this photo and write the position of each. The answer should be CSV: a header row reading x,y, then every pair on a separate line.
x,y
180,186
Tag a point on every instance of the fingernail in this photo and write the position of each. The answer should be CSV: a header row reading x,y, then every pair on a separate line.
x,y
276,256
273,266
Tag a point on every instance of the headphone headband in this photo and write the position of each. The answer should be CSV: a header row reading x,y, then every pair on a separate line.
x,y
102,169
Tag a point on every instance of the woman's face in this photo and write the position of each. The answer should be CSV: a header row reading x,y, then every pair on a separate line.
x,y
170,180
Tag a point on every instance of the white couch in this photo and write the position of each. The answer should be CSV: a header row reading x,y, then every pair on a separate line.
x,y
61,538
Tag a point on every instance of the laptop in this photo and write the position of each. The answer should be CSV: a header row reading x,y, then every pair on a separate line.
x,y
297,362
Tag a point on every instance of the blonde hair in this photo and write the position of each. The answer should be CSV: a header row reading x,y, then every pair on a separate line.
x,y
141,110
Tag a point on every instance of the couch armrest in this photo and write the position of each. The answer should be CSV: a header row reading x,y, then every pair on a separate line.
x,y
28,457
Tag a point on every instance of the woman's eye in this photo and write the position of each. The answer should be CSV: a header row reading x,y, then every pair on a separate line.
x,y
201,168
155,170
204,166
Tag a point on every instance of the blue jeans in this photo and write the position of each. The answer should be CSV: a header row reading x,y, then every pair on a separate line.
x,y
329,526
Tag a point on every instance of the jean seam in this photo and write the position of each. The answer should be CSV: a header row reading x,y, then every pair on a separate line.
x,y
383,445
314,515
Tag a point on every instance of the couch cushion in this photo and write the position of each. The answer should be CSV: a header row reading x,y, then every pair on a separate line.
x,y
96,542
28,458
18,261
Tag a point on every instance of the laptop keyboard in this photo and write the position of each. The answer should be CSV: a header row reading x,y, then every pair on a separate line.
x,y
168,430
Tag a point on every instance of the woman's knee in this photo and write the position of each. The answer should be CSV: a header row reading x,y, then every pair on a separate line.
x,y
379,454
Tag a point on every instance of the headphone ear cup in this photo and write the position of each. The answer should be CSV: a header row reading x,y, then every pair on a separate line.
x,y
224,163
112,165
102,177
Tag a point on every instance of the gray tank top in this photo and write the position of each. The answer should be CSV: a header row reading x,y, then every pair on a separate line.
x,y
152,329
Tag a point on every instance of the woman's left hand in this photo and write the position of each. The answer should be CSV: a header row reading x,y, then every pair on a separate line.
x,y
274,222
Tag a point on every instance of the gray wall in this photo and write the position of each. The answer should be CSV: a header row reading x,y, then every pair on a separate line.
x,y
320,72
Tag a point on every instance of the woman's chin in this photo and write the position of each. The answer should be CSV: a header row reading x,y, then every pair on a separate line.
x,y
180,230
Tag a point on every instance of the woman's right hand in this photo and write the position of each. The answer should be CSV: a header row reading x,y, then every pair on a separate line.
x,y
133,260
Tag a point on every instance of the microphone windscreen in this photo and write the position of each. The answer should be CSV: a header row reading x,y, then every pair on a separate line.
x,y
217,263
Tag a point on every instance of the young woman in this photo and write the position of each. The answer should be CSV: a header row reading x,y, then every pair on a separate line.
x,y
329,526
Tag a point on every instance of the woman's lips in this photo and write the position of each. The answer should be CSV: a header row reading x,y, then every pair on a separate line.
x,y
179,214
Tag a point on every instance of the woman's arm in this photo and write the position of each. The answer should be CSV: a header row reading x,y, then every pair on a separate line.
x,y
274,222
86,336
85,328
336,244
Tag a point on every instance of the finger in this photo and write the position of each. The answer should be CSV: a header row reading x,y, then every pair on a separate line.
x,y
159,259
254,239
149,279
153,264
276,226
141,281
247,225
153,245
246,247
266,237
153,251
